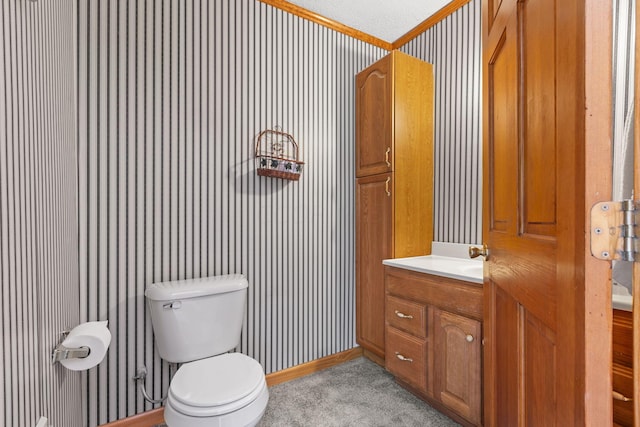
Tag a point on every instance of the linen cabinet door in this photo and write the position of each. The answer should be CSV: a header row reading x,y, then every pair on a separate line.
x,y
374,203
457,364
374,134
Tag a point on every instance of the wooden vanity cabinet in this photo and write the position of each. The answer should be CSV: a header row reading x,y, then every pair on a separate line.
x,y
622,368
434,340
394,181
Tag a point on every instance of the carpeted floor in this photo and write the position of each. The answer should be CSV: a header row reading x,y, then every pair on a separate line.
x,y
357,393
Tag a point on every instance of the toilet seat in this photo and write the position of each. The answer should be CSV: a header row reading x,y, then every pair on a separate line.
x,y
216,385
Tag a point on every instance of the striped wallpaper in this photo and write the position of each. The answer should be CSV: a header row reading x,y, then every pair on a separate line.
x,y
171,95
170,98
624,25
38,211
623,96
453,46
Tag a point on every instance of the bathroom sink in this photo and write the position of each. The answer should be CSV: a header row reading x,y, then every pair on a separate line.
x,y
472,270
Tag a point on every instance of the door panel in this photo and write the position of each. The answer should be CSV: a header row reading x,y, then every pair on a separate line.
x,y
502,93
537,27
539,361
505,315
494,7
373,109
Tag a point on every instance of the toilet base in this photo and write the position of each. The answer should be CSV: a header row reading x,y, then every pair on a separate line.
x,y
247,416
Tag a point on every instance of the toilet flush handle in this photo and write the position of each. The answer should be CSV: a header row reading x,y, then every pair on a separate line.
x,y
173,305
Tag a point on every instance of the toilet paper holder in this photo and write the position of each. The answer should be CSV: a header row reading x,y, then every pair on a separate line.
x,y
62,352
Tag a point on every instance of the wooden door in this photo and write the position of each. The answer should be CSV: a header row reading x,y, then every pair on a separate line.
x,y
374,212
636,265
374,118
533,206
457,381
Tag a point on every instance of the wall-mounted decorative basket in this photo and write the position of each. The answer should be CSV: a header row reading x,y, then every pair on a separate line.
x,y
277,155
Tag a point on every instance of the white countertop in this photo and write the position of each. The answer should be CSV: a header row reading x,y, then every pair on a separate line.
x,y
452,267
622,302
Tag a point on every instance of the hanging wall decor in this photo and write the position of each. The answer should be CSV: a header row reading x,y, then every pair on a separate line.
x,y
278,155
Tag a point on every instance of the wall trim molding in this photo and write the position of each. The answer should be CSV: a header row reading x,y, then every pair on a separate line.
x,y
429,22
360,35
329,23
156,416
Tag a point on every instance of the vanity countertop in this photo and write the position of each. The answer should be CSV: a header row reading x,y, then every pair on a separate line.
x,y
622,302
454,268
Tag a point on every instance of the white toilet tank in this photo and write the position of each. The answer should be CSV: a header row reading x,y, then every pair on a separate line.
x,y
197,318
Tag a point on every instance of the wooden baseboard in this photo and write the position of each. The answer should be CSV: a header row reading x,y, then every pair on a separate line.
x,y
313,366
146,419
156,416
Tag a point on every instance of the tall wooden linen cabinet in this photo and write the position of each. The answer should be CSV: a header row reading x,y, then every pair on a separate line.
x,y
394,181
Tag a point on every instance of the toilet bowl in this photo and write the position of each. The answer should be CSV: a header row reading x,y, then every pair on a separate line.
x,y
197,322
225,390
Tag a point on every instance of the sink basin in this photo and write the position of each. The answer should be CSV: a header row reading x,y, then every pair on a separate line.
x,y
455,268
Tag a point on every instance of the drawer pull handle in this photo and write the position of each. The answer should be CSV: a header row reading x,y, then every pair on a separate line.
x,y
386,157
386,186
620,396
404,359
469,338
403,316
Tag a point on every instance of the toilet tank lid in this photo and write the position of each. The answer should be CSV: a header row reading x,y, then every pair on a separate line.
x,y
192,288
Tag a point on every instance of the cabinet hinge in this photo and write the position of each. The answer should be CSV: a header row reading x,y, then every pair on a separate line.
x,y
613,230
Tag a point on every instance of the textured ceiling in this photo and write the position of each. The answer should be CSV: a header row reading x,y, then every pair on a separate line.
x,y
384,19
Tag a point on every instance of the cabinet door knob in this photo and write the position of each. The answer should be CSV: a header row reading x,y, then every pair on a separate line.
x,y
404,359
469,338
386,157
403,316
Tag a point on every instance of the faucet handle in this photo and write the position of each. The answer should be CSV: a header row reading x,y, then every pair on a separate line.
x,y
475,251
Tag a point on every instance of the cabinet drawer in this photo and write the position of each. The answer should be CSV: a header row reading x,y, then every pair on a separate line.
x,y
623,384
406,315
406,357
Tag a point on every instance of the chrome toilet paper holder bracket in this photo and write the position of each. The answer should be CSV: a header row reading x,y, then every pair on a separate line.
x,y
62,352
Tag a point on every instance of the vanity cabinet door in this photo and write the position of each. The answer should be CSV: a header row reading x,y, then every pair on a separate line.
x,y
457,378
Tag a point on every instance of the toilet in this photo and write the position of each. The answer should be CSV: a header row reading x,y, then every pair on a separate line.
x,y
197,323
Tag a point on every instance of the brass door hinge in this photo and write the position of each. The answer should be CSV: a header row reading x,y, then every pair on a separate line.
x,y
613,231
